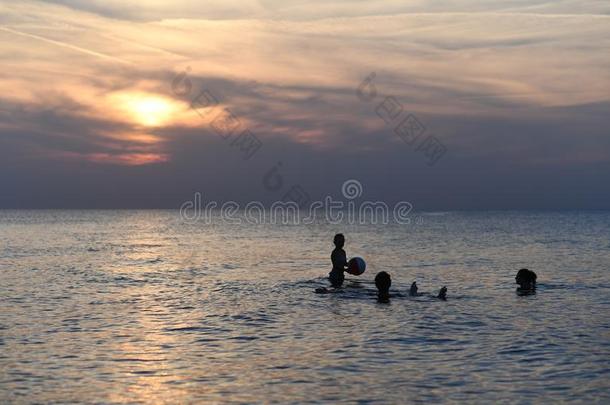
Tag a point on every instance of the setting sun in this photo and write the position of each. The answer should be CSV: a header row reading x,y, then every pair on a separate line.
x,y
290,201
147,109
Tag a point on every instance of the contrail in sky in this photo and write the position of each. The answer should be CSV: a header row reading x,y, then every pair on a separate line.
x,y
69,46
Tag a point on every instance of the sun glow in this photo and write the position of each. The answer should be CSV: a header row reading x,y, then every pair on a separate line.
x,y
148,109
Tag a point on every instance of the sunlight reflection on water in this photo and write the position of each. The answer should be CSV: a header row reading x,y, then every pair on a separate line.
x,y
132,306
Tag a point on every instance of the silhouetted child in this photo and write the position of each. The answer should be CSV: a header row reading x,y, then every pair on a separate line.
x,y
413,290
442,294
526,280
383,281
339,260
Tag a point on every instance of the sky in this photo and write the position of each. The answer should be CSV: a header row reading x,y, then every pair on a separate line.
x,y
450,105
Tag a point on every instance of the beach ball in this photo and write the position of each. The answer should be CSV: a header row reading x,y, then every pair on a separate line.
x,y
356,266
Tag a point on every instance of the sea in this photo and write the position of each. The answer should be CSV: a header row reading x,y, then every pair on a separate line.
x,y
143,307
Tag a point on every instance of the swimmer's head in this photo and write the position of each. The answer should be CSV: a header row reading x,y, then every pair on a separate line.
x,y
442,294
383,281
526,279
339,240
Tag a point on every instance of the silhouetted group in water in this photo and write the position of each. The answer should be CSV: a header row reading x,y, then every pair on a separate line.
x,y
383,281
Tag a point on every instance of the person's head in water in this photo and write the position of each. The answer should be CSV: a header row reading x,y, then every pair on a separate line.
x,y
383,281
339,240
526,279
442,294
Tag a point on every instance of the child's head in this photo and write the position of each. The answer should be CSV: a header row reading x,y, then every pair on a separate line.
x,y
339,240
383,281
526,279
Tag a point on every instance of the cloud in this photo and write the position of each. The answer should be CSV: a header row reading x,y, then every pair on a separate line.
x,y
517,91
140,10
319,9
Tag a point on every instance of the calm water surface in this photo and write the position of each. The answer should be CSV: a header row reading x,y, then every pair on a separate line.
x,y
140,307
